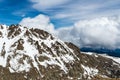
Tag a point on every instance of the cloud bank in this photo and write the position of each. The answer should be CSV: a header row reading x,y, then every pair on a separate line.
x,y
101,32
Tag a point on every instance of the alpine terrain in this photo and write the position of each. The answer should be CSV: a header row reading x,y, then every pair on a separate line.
x,y
34,54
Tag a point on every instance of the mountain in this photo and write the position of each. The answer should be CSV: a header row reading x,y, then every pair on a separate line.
x,y
111,52
34,54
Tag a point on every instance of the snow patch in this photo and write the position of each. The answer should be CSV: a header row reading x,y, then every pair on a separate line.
x,y
116,59
89,71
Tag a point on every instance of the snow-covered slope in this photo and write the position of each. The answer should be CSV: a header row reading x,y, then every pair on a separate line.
x,y
21,48
116,59
33,54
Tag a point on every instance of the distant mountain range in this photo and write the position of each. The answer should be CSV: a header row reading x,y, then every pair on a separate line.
x,y
115,52
34,54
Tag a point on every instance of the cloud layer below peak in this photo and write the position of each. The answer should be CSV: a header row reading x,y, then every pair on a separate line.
x,y
101,32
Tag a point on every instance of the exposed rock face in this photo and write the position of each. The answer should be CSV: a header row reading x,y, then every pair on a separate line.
x,y
33,54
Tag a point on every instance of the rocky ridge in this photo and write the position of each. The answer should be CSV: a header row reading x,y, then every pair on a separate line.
x,y
34,54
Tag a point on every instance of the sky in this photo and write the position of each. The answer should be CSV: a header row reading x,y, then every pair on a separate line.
x,y
61,12
86,23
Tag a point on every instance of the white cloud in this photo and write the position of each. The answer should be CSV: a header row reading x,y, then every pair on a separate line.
x,y
19,13
40,21
76,10
99,32
46,4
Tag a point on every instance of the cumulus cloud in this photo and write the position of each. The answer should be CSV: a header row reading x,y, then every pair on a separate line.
x,y
40,21
101,32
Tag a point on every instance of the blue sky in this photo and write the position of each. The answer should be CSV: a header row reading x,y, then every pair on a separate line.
x,y
61,12
86,23
12,11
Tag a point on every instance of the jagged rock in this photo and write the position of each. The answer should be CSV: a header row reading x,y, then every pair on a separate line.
x,y
34,54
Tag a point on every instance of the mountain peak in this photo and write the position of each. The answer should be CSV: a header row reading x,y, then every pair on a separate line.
x,y
22,48
30,53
